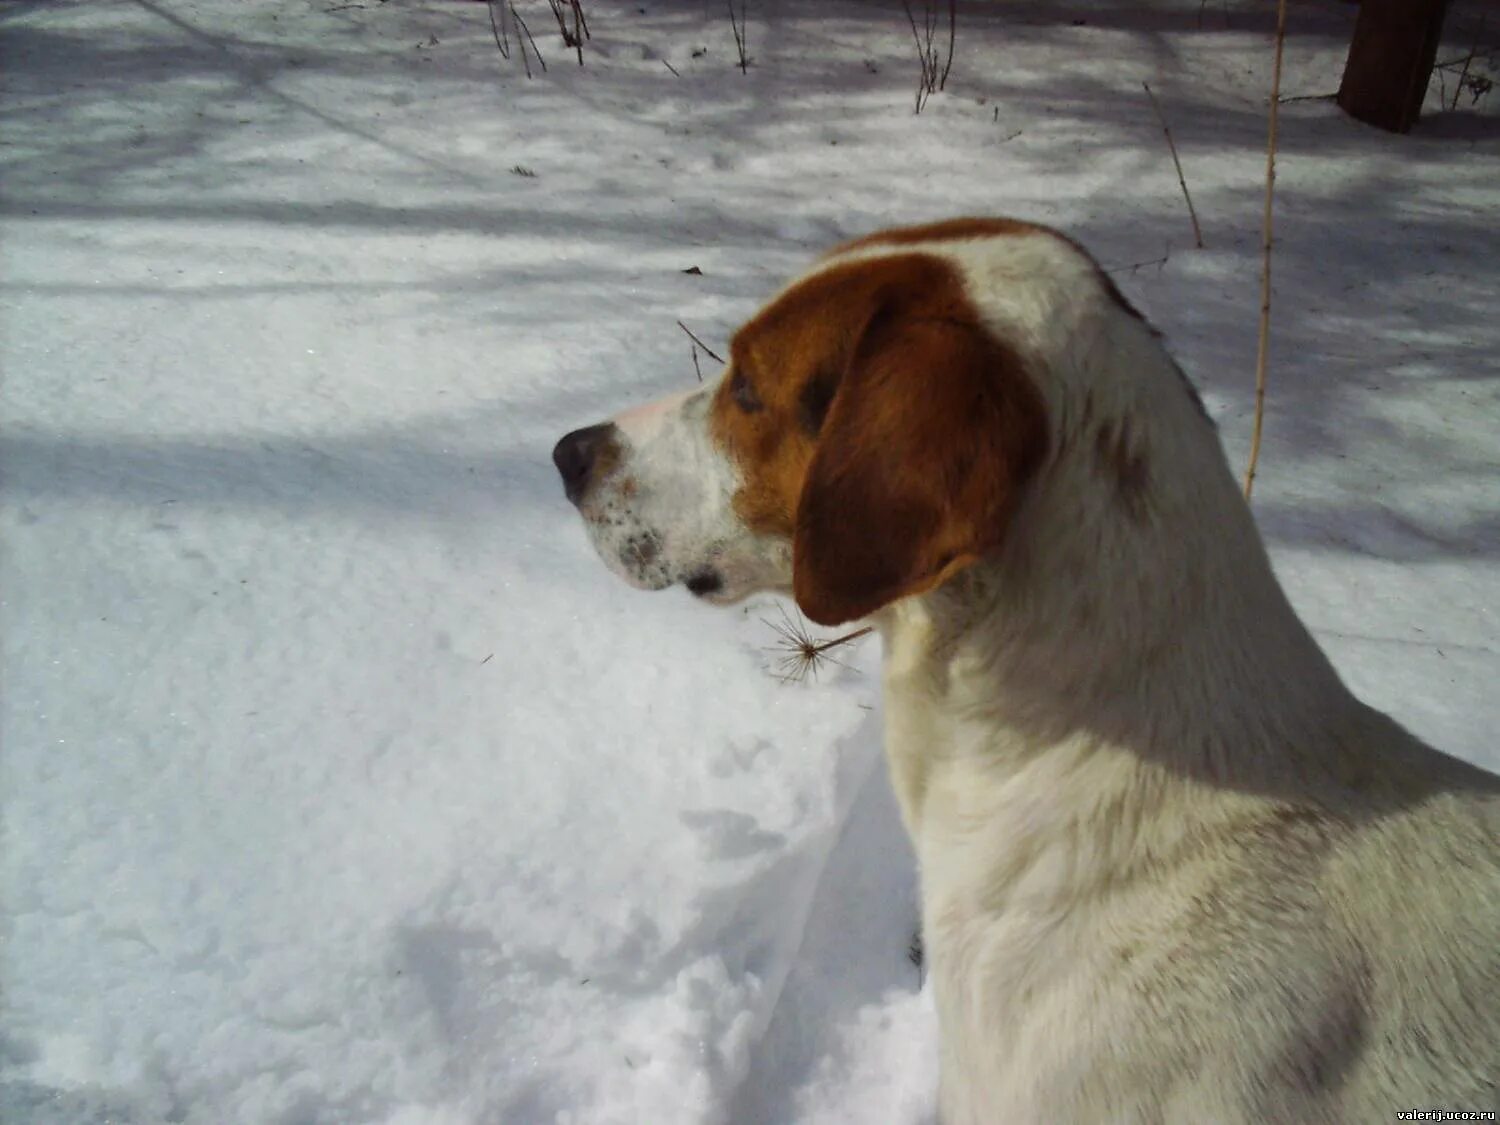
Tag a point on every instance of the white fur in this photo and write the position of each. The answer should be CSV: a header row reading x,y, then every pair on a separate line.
x,y
1171,869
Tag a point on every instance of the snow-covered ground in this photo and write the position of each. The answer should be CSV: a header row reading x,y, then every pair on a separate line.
x,y
340,782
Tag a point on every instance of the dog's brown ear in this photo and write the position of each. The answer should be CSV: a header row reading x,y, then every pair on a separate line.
x,y
933,430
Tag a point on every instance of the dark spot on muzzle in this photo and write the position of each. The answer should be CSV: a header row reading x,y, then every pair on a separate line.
x,y
640,551
705,581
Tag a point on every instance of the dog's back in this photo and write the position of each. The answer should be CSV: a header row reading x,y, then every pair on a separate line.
x,y
1285,961
1413,898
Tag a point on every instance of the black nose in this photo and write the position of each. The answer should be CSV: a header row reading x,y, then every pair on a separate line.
x,y
577,454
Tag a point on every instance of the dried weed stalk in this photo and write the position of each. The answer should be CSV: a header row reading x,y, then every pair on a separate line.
x,y
952,40
572,23
535,50
699,342
1480,86
499,26
1263,344
802,655
1192,212
501,17
741,34
1166,256
933,76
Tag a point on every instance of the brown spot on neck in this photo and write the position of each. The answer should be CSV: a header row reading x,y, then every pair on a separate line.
x,y
1122,457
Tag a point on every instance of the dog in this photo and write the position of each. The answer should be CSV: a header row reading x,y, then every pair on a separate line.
x,y
1171,869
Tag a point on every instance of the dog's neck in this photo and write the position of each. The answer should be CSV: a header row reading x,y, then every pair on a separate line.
x,y
1151,641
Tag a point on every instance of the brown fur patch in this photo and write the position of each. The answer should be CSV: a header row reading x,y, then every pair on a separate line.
x,y
932,425
1125,461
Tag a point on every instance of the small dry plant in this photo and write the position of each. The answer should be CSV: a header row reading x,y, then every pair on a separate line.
x,y
934,76
502,15
741,34
573,24
1477,86
802,654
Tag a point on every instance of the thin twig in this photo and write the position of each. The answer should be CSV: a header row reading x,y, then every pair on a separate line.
x,y
1474,50
670,67
1459,60
1133,266
1192,212
699,342
741,34
1263,344
571,37
521,23
502,37
952,36
580,29
1309,98
697,369
926,55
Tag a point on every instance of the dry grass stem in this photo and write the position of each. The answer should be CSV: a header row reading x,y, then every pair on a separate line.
x,y
499,30
1263,343
930,75
1474,50
741,34
579,31
1181,179
952,38
699,342
1134,266
535,50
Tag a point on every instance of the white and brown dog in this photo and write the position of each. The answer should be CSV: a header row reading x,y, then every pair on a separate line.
x,y
1171,869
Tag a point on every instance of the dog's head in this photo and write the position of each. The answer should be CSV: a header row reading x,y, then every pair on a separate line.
x,y
869,438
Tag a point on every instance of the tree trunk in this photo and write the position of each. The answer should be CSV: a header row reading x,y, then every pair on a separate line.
x,y
1390,61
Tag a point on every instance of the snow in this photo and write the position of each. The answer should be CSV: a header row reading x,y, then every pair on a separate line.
x,y
340,781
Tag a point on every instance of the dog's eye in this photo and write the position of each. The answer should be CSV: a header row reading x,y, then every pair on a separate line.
x,y
743,393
